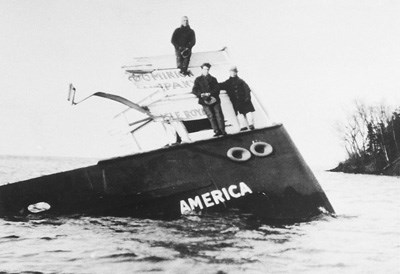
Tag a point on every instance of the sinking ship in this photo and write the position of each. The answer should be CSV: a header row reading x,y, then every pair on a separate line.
x,y
177,167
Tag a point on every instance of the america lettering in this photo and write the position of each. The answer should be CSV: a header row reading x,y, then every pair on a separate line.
x,y
214,197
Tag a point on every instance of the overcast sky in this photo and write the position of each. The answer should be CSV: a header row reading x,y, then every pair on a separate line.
x,y
307,59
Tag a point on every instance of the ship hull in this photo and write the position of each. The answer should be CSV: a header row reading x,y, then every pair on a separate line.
x,y
182,179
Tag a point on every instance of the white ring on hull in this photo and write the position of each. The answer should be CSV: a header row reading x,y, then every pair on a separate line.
x,y
261,149
238,154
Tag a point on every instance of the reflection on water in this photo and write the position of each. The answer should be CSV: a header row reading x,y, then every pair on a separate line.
x,y
205,244
363,237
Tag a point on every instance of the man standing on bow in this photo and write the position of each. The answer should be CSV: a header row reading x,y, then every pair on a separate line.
x,y
206,88
183,40
239,94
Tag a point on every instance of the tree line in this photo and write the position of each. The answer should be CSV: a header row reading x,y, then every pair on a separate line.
x,y
371,137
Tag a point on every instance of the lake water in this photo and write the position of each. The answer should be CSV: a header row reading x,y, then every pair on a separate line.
x,y
364,237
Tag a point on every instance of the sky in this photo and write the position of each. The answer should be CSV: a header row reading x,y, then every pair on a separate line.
x,y
308,61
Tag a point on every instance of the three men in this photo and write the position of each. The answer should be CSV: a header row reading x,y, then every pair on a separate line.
x,y
206,88
183,40
239,94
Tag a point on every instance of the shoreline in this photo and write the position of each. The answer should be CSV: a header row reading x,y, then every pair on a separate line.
x,y
392,169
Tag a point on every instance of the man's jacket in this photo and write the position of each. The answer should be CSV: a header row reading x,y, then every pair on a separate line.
x,y
237,90
183,37
206,84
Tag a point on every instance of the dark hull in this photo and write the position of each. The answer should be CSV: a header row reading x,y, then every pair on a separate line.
x,y
158,184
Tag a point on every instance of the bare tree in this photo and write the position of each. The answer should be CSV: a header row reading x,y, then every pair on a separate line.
x,y
369,134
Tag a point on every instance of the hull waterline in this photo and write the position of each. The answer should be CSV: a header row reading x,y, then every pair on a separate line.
x,y
193,177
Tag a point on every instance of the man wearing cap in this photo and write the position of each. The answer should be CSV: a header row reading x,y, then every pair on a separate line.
x,y
206,88
239,94
183,40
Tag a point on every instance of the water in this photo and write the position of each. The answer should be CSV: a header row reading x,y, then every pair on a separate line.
x,y
364,237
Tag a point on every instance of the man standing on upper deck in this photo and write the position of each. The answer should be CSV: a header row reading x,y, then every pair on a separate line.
x,y
239,94
183,40
206,88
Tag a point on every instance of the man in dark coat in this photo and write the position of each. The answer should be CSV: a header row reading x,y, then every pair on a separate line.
x,y
183,40
239,94
206,88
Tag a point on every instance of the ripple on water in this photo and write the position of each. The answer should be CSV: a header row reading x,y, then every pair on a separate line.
x,y
362,237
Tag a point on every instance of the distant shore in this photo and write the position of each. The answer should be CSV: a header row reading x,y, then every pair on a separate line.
x,y
371,137
349,166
